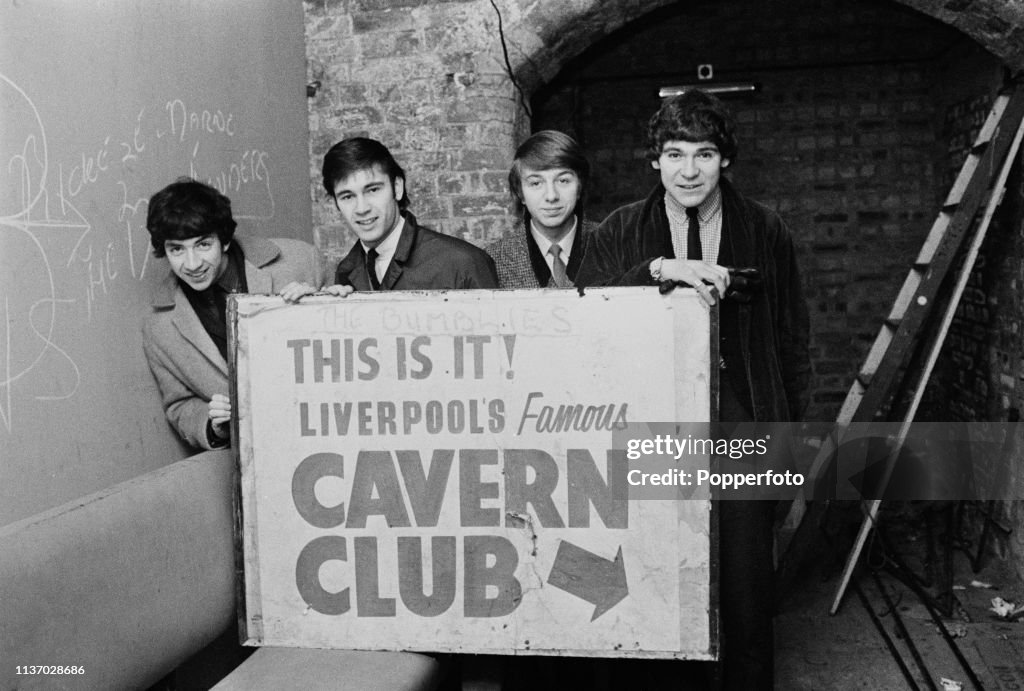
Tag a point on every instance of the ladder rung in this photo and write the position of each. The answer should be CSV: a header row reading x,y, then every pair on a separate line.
x,y
956,192
934,239
906,296
994,116
852,402
981,143
979,147
877,351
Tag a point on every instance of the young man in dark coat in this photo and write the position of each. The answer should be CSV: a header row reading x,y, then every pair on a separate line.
x,y
690,228
547,182
394,252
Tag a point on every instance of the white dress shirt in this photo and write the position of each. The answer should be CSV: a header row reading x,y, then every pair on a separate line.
x,y
543,244
386,249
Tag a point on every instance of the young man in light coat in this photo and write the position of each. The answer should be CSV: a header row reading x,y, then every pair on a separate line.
x,y
185,337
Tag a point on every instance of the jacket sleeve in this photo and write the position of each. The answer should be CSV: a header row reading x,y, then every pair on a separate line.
x,y
323,272
302,262
792,325
500,255
480,273
342,274
185,410
614,256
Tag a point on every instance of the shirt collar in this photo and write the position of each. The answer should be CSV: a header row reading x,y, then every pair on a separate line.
x,y
543,244
388,244
705,211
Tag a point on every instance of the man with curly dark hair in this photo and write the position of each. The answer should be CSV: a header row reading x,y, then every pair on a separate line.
x,y
689,231
185,338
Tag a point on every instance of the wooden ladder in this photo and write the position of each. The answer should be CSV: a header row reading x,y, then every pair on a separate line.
x,y
982,179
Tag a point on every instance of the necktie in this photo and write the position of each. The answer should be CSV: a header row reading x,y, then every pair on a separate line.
x,y
693,248
558,275
371,268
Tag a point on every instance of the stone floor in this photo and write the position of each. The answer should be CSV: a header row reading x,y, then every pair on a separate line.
x,y
816,650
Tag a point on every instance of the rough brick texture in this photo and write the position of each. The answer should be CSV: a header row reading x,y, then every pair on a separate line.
x,y
979,373
844,140
429,78
863,118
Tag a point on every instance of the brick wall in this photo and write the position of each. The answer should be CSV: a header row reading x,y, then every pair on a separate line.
x,y
981,363
843,140
849,138
978,372
423,78
431,78
960,387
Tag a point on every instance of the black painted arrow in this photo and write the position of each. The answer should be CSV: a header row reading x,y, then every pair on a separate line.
x,y
590,577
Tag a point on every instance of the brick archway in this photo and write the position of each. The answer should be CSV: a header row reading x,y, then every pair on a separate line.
x,y
851,136
996,25
550,34
429,78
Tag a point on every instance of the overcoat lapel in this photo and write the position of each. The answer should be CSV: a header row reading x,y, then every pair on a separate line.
x,y
191,329
402,253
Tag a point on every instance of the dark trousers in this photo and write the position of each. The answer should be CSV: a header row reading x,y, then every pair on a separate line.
x,y
746,594
746,579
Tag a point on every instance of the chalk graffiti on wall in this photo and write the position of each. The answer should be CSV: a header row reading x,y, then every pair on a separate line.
x,y
73,242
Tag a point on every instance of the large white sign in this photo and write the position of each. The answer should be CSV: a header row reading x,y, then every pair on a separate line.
x,y
436,472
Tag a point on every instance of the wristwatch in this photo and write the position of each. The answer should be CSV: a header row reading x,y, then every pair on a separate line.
x,y
656,268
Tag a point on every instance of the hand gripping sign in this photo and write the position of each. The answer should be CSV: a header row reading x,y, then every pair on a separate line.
x,y
436,472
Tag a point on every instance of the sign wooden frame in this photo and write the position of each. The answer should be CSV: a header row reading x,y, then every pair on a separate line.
x,y
434,471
